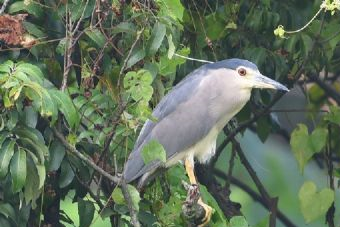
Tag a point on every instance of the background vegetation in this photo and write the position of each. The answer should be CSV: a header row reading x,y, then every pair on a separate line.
x,y
79,78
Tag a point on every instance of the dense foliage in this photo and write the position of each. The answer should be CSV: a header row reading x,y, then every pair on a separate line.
x,y
79,78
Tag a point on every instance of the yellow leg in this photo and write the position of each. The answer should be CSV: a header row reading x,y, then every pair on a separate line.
x,y
208,210
190,171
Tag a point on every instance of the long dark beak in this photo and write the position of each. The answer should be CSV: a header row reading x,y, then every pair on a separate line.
x,y
261,81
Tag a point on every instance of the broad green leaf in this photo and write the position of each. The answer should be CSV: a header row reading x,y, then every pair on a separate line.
x,y
32,71
7,101
18,170
139,85
30,116
31,191
60,49
334,115
172,8
307,44
3,137
30,139
126,27
157,36
66,175
238,221
153,151
304,146
32,8
21,76
7,210
117,196
48,107
6,153
13,119
57,153
7,66
136,56
66,107
4,222
172,47
97,37
41,174
86,212
33,29
313,203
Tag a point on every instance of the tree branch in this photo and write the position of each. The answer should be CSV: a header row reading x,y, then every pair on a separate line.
x,y
271,202
330,91
282,217
133,212
74,151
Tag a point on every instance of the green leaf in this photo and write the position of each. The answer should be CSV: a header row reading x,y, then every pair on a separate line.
x,y
4,222
172,8
32,8
334,115
18,170
41,174
172,47
6,153
33,29
307,43
29,139
304,146
7,66
57,153
66,107
30,116
157,36
117,196
32,71
139,85
66,175
238,221
86,212
7,210
314,204
153,151
126,27
31,191
97,37
136,55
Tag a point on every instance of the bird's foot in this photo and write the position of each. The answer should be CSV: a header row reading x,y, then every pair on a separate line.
x,y
207,215
194,209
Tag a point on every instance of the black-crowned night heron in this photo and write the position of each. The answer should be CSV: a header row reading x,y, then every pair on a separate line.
x,y
192,114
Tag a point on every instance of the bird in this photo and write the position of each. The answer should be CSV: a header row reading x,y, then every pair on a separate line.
x,y
189,118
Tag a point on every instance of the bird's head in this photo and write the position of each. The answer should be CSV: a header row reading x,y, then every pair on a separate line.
x,y
248,76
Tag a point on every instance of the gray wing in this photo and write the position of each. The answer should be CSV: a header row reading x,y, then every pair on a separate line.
x,y
178,127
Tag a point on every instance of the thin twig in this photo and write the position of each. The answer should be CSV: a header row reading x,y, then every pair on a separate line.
x,y
139,34
330,91
3,7
329,163
74,151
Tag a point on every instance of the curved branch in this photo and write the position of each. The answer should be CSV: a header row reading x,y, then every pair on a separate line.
x,y
282,217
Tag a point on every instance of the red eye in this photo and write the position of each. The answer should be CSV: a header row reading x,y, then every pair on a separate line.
x,y
242,71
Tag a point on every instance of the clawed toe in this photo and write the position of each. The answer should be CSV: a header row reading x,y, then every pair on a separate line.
x,y
207,215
